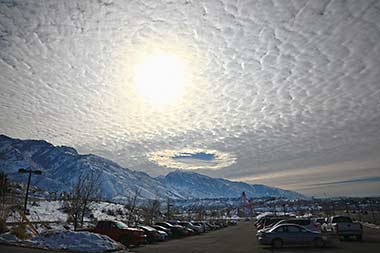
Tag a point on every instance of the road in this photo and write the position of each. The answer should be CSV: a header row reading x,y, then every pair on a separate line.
x,y
241,239
14,249
236,239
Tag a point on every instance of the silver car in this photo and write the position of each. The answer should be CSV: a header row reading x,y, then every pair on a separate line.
x,y
290,234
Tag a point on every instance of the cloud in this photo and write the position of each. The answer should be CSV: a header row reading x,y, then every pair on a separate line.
x,y
278,85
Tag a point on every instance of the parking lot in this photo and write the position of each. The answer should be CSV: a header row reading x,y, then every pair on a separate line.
x,y
241,238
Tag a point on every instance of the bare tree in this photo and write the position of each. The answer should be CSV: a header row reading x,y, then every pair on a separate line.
x,y
131,206
84,192
5,189
151,210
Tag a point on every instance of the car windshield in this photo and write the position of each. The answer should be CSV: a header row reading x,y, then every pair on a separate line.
x,y
120,225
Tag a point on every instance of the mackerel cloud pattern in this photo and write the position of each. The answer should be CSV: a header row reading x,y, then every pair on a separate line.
x,y
285,93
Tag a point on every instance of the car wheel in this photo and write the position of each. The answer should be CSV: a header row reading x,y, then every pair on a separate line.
x,y
319,243
359,237
277,243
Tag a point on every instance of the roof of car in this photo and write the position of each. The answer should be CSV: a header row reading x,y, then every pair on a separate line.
x,y
149,228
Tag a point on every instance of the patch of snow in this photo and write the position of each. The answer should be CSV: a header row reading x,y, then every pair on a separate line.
x,y
76,241
47,211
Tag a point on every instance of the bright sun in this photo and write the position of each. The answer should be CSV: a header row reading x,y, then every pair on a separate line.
x,y
161,78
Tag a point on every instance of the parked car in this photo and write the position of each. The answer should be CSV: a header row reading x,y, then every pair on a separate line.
x,y
120,232
232,222
195,228
204,227
177,230
211,226
343,226
152,234
174,222
163,229
163,235
285,234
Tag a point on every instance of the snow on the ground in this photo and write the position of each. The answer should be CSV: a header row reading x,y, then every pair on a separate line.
x,y
47,211
51,211
43,210
100,211
76,241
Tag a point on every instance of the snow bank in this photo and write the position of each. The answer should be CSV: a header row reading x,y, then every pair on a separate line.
x,y
76,241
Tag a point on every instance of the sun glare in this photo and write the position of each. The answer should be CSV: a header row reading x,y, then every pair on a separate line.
x,y
161,78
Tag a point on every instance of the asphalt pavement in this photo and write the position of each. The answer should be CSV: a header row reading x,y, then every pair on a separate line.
x,y
236,239
242,239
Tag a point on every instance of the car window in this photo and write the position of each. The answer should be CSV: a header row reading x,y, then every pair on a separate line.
x,y
107,225
120,225
293,229
280,229
341,220
302,222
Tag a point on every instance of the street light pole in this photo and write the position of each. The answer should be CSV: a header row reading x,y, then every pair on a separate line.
x,y
30,171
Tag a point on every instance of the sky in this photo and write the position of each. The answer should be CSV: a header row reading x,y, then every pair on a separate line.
x,y
283,93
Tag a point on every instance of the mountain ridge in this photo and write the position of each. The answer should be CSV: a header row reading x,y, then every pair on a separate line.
x,y
62,165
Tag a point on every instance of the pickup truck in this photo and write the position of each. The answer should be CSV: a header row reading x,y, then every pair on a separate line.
x,y
120,232
343,226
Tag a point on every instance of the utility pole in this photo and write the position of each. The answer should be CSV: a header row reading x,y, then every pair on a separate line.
x,y
30,171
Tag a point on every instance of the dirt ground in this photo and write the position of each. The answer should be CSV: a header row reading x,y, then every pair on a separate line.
x,y
241,239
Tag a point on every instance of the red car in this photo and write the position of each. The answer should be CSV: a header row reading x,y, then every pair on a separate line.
x,y
120,232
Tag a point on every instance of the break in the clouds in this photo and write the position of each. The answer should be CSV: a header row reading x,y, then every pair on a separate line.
x,y
192,159
284,87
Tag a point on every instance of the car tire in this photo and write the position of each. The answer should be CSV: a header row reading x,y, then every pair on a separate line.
x,y
277,243
359,237
318,243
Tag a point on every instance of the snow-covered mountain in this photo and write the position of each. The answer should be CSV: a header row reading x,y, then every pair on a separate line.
x,y
62,166
201,186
